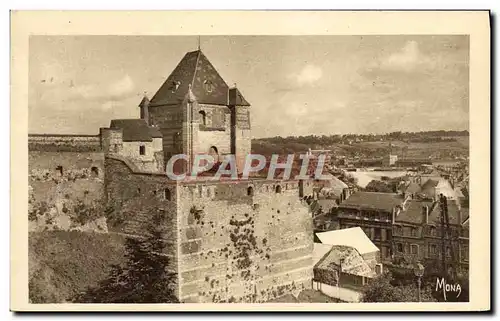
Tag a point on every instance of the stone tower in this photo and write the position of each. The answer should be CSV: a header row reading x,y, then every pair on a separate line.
x,y
198,113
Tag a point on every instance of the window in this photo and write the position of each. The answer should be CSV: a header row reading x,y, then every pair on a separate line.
x,y
465,253
250,191
209,87
432,248
203,117
448,251
59,169
167,195
378,234
413,231
432,231
414,249
399,247
175,86
95,171
142,150
278,189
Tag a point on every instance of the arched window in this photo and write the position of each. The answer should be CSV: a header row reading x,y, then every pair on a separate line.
x,y
203,117
167,195
250,191
95,171
278,189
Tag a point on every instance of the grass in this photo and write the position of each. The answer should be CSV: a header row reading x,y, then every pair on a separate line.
x,y
63,263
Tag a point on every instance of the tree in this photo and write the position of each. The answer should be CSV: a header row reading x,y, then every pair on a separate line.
x,y
144,279
381,289
378,186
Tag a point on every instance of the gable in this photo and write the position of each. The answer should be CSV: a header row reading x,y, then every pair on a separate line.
x,y
194,70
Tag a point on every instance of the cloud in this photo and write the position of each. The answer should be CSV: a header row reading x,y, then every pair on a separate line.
x,y
115,91
406,59
309,75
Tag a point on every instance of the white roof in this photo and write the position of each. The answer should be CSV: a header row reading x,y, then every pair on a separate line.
x,y
320,251
353,237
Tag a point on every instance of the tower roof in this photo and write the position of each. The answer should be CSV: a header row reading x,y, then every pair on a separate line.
x,y
206,84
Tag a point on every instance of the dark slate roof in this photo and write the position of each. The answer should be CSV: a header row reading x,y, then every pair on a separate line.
x,y
372,200
414,212
430,183
136,130
236,98
194,69
453,214
412,188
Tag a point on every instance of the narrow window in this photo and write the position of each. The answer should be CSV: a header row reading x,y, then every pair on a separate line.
x,y
278,189
142,150
95,171
203,117
59,169
250,191
414,249
399,247
167,194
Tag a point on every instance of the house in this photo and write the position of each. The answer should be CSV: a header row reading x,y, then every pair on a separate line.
x,y
373,213
417,231
353,237
340,271
137,141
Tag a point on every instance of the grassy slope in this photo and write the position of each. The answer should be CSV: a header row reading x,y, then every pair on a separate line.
x,y
62,263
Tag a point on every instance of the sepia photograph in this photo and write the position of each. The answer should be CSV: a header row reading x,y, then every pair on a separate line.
x,y
250,168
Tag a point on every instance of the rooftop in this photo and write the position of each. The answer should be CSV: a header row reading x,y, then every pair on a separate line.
x,y
347,258
353,237
414,212
136,130
373,200
195,71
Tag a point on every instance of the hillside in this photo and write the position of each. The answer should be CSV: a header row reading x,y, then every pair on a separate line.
x,y
63,263
446,148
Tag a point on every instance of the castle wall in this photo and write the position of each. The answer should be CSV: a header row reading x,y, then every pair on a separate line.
x,y
239,247
60,180
69,143
134,197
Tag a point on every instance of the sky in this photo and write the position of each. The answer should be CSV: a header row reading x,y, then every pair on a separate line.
x,y
296,85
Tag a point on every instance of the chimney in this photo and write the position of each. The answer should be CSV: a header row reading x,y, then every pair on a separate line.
x,y
144,106
425,213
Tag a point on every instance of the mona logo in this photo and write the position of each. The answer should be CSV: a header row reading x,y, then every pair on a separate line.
x,y
442,285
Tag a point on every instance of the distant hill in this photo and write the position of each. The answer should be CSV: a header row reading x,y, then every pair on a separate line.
x,y
438,144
